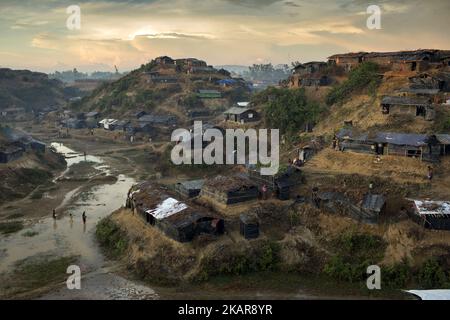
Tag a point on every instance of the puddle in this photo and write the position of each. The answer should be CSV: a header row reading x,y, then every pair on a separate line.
x,y
69,236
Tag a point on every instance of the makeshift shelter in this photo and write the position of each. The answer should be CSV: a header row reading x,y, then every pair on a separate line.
x,y
417,107
230,189
373,205
314,80
444,142
165,60
281,183
367,211
164,120
209,94
92,115
249,226
190,189
73,123
353,141
432,214
38,146
424,147
241,115
179,220
10,153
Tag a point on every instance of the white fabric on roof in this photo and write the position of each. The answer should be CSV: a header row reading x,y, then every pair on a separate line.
x,y
167,208
432,207
431,294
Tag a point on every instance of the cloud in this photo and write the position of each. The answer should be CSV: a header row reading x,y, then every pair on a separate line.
x,y
130,32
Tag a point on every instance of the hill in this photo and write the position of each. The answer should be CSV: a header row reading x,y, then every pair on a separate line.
x,y
167,86
29,90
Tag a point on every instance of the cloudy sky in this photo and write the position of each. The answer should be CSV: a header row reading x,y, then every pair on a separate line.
x,y
127,33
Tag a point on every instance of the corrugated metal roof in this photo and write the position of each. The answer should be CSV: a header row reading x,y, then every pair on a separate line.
x,y
443,138
193,184
401,139
208,91
236,110
373,202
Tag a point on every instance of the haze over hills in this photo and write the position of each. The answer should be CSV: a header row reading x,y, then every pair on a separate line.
x,y
29,90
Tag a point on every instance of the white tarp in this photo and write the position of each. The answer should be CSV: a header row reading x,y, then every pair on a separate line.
x,y
431,294
167,208
432,207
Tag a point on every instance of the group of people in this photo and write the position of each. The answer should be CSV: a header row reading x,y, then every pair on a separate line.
x,y
83,216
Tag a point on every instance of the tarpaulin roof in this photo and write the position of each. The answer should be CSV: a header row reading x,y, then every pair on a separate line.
x,y
432,207
167,208
403,139
431,294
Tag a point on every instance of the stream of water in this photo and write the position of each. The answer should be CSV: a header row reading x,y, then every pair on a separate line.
x,y
69,236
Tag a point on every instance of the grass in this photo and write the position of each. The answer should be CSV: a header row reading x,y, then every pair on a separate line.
x,y
286,284
30,234
10,227
32,274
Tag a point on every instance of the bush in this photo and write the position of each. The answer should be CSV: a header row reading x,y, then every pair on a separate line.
x,y
256,259
355,252
287,109
111,238
396,276
432,276
364,76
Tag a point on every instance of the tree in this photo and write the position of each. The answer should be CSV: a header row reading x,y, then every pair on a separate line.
x,y
288,110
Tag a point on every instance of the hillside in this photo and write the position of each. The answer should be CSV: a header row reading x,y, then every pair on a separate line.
x,y
29,90
166,86
364,110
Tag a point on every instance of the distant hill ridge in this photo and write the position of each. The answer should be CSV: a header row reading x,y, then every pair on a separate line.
x,y
29,90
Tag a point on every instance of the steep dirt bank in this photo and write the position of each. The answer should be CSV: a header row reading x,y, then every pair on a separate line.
x,y
22,177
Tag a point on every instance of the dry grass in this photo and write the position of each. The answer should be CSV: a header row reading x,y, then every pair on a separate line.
x,y
400,169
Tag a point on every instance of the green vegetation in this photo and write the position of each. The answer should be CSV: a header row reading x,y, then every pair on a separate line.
x,y
33,176
432,275
364,76
355,252
287,109
10,227
111,237
256,259
397,276
30,234
32,274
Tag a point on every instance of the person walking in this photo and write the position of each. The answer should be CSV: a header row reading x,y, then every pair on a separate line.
x,y
264,192
430,173
54,214
84,217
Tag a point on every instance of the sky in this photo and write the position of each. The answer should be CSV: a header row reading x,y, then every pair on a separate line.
x,y
128,33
